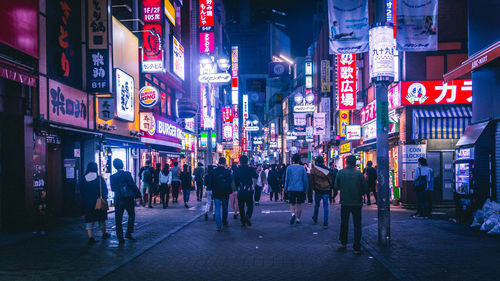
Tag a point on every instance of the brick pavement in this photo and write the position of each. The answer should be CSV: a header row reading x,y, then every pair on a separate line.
x,y
63,254
271,249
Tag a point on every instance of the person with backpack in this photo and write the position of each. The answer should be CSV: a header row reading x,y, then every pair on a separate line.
x,y
352,186
221,182
320,182
199,173
371,179
146,175
273,180
244,176
125,191
175,172
296,185
423,185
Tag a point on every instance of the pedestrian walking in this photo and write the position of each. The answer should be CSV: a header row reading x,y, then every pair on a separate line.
x,y
333,191
176,181
352,186
186,183
321,182
273,181
146,176
261,182
423,185
296,185
221,182
243,179
281,178
125,191
199,174
156,182
233,197
371,178
164,186
208,185
94,187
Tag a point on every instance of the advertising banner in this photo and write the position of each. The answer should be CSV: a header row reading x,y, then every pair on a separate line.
x,y
319,123
299,119
344,121
325,107
227,131
158,127
409,159
348,25
208,106
227,114
178,58
309,134
436,92
369,131
345,147
325,76
124,91
151,11
369,112
347,81
417,25
207,42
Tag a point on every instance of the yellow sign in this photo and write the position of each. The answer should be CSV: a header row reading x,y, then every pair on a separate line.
x,y
170,12
344,121
345,148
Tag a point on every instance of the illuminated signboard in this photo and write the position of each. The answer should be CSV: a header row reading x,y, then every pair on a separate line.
x,y
227,114
178,55
346,81
353,132
344,121
149,96
436,92
124,90
214,78
345,148
207,42
206,13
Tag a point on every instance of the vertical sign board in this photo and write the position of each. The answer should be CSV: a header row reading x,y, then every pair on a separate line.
x,y
347,78
152,40
98,60
235,94
178,58
125,96
325,76
344,121
206,13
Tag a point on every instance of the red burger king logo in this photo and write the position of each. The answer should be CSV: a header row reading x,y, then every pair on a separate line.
x,y
148,96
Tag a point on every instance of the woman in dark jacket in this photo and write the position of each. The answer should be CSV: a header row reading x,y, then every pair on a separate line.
x,y
186,183
273,180
90,192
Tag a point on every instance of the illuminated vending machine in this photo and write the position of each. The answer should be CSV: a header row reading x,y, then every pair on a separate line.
x,y
464,164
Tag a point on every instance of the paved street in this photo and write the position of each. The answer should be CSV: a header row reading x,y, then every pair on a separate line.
x,y
178,244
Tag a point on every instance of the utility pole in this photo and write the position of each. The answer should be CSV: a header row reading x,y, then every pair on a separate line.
x,y
381,78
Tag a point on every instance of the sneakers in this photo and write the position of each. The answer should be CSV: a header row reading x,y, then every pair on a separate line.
x,y
418,217
315,220
186,205
249,223
342,247
292,219
325,226
257,204
298,221
357,252
219,229
91,240
235,216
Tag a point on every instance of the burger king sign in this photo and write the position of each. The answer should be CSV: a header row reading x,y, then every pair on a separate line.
x,y
149,96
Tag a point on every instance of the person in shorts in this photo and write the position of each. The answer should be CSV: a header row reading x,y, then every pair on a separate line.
x,y
297,185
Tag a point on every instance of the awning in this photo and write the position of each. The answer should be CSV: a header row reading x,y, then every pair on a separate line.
x,y
122,142
441,122
472,133
163,143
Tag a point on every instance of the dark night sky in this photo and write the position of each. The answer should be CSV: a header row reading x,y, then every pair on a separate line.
x,y
298,21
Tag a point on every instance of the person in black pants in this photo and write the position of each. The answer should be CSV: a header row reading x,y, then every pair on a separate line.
x,y
164,186
259,185
333,192
309,192
243,179
371,178
125,191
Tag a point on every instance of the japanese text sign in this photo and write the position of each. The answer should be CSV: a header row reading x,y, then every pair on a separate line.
x,y
151,11
206,13
227,114
98,70
436,92
368,112
70,106
152,48
124,91
97,25
346,80
345,148
207,42
106,107
344,121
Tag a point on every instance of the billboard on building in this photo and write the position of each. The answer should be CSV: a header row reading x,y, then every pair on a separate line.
x,y
348,26
346,72
417,25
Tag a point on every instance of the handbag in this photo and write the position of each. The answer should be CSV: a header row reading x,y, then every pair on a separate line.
x,y
420,183
101,204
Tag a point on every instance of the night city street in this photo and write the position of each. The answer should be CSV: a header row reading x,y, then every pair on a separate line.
x,y
249,140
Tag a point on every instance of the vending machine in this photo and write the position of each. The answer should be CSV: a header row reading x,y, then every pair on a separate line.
x,y
464,180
